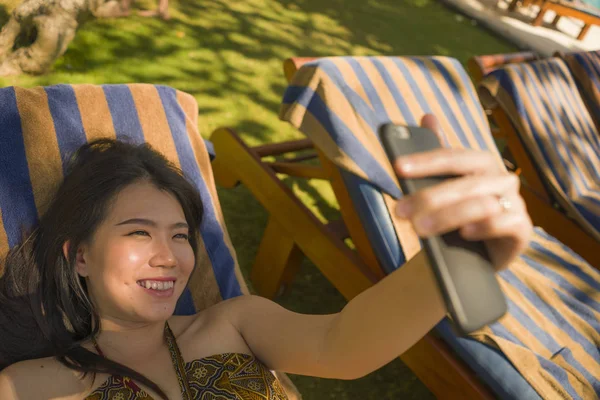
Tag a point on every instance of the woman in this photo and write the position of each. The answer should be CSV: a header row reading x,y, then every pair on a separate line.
x,y
115,250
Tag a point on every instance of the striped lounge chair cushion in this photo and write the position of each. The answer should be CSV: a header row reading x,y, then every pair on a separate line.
x,y
585,68
545,107
41,127
551,331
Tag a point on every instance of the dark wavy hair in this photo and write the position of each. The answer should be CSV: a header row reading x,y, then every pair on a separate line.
x,y
45,310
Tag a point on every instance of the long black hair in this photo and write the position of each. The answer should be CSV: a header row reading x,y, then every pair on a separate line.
x,y
44,307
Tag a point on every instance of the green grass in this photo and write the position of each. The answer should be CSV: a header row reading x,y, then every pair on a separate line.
x,y
228,54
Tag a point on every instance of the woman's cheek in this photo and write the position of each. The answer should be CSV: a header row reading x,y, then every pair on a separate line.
x,y
126,254
187,260
133,256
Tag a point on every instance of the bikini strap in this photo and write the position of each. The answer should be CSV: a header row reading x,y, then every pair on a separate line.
x,y
176,358
178,363
125,380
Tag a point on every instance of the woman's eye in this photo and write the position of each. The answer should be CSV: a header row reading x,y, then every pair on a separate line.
x,y
139,233
182,236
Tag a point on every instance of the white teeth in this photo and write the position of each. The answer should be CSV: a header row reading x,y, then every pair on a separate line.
x,y
156,285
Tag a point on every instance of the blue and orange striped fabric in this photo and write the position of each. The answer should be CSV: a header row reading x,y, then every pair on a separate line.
x,y
545,107
585,68
42,126
551,331
340,102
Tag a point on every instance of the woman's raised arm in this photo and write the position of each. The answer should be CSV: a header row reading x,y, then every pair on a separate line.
x,y
482,203
372,329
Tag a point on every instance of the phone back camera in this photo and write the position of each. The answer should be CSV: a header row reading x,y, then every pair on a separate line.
x,y
402,132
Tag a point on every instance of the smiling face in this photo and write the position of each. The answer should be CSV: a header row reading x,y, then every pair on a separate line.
x,y
139,260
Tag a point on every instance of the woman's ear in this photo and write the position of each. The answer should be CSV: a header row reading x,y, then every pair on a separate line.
x,y
80,264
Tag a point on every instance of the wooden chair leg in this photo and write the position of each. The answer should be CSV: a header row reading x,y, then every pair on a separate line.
x,y
540,17
277,261
556,19
584,31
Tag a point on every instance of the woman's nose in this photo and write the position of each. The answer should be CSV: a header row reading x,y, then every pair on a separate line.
x,y
163,256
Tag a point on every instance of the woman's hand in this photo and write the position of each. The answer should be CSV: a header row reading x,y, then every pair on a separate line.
x,y
483,202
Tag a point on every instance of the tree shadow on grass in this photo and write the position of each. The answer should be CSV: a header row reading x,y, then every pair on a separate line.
x,y
232,51
4,15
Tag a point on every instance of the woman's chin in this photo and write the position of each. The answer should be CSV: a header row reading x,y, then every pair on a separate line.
x,y
156,314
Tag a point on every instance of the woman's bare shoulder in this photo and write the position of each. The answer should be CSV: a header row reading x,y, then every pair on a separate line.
x,y
210,331
216,314
45,377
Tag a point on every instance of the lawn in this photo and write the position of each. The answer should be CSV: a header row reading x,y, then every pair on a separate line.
x,y
228,54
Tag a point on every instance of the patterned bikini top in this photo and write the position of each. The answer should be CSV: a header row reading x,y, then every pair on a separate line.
x,y
228,376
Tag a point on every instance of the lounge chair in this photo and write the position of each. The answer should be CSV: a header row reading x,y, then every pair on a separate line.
x,y
42,126
587,14
585,67
479,67
548,151
339,103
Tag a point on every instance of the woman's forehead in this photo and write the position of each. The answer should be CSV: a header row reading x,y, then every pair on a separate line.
x,y
143,199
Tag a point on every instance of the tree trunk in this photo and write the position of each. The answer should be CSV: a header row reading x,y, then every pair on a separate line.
x,y
39,31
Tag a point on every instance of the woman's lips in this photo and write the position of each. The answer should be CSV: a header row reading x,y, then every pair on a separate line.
x,y
159,293
159,287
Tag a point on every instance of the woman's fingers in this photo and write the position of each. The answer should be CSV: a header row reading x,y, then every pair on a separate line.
x,y
499,225
446,161
452,217
445,194
506,236
470,202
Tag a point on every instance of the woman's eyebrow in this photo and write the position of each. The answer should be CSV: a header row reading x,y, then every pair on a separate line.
x,y
148,222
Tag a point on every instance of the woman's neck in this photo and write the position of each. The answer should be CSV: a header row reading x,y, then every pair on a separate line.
x,y
134,342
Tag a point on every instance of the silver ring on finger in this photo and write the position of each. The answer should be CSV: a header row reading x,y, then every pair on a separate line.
x,y
504,203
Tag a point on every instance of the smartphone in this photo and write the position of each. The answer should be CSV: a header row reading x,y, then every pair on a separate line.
x,y
464,272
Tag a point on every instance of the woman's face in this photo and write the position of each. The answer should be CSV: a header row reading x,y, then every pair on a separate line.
x,y
139,260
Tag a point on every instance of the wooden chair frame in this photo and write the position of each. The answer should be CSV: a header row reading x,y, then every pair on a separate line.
x,y
293,232
562,9
524,3
541,204
479,67
565,10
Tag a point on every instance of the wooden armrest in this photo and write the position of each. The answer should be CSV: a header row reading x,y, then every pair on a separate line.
x,y
480,66
273,149
291,65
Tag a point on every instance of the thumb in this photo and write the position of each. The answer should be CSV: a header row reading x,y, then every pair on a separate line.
x,y
429,121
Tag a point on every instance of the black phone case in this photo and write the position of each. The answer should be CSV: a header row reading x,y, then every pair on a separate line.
x,y
463,269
